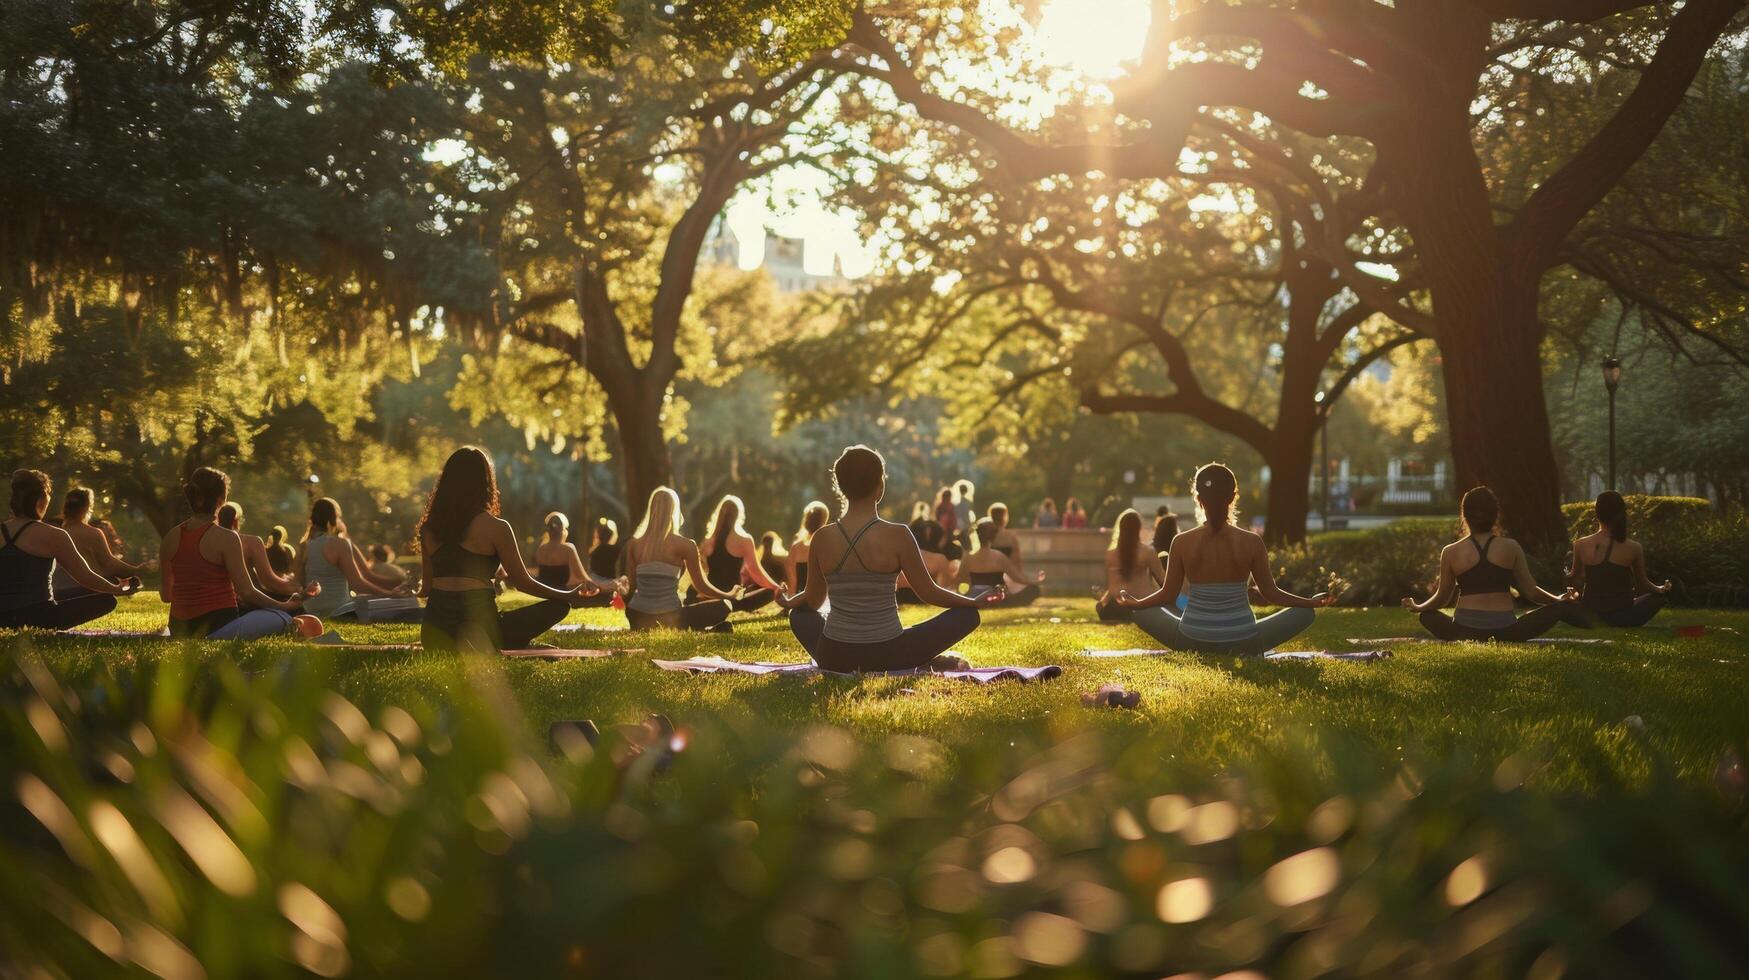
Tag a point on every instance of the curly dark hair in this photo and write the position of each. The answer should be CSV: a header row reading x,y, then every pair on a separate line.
x,y
466,488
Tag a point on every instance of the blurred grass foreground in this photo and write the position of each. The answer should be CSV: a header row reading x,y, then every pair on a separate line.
x,y
161,817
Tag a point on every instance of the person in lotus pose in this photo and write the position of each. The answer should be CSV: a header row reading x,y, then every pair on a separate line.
x,y
1131,565
655,558
988,568
255,555
328,557
93,544
206,573
30,551
855,564
462,544
559,566
932,541
1219,562
1608,568
814,517
1482,568
731,558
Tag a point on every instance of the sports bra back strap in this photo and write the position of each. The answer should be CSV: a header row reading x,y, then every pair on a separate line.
x,y
12,536
851,542
1480,548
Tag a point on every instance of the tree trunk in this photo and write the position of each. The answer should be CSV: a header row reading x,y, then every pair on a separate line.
x,y
636,404
1490,338
1289,456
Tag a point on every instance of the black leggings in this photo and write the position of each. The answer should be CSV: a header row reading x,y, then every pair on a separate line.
x,y
696,616
750,600
470,621
1638,614
914,648
62,614
1526,627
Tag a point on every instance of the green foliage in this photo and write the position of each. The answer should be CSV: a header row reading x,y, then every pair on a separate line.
x,y
1645,513
1703,552
184,813
1375,567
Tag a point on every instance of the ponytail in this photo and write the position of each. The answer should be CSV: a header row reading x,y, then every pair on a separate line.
x,y
1215,488
1612,514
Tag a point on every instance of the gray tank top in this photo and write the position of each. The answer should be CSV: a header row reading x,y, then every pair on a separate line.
x,y
656,588
336,595
865,604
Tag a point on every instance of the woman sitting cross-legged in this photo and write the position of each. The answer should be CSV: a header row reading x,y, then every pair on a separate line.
x,y
206,573
29,553
255,556
855,563
932,542
988,567
560,566
1482,568
731,559
329,558
93,545
462,544
814,517
1131,565
1218,562
655,557
1608,567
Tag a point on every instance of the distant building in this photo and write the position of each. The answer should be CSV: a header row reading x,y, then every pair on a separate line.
x,y
783,261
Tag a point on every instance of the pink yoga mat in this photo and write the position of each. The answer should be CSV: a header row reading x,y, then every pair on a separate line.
x,y
977,675
1366,656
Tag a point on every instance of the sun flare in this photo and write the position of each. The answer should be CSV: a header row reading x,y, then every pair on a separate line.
x,y
1094,37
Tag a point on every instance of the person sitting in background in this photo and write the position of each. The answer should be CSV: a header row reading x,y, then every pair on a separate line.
x,y
1074,515
857,573
29,553
1482,568
280,555
1165,529
328,558
557,563
462,544
255,556
731,559
605,554
920,511
947,512
384,566
1219,562
1131,565
941,568
773,558
965,513
655,558
206,573
93,545
1608,567
986,569
1047,517
814,517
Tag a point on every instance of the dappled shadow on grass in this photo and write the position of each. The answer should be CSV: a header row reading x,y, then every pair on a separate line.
x,y
1481,702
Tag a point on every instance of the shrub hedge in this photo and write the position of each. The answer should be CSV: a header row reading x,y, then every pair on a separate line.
x,y
158,821
1705,553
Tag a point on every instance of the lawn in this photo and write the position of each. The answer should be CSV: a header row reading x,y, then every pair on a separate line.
x,y
209,810
1581,710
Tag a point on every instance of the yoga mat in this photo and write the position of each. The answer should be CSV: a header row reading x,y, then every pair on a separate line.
x,y
565,654
977,675
590,627
1362,655
1430,639
163,634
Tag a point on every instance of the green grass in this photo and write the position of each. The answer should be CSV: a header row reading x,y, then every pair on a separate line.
x,y
1475,705
278,809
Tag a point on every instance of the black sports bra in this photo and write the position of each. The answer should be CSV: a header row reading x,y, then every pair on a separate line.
x,y
557,576
1608,586
987,578
1485,577
451,560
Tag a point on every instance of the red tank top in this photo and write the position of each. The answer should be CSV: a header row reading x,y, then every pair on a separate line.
x,y
198,586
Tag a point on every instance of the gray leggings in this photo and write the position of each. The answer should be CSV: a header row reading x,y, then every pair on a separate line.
x,y
1273,630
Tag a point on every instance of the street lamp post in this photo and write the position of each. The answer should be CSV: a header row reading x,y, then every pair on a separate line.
x,y
1611,378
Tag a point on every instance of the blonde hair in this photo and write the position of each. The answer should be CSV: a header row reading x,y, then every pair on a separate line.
x,y
661,518
738,525
558,526
814,517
